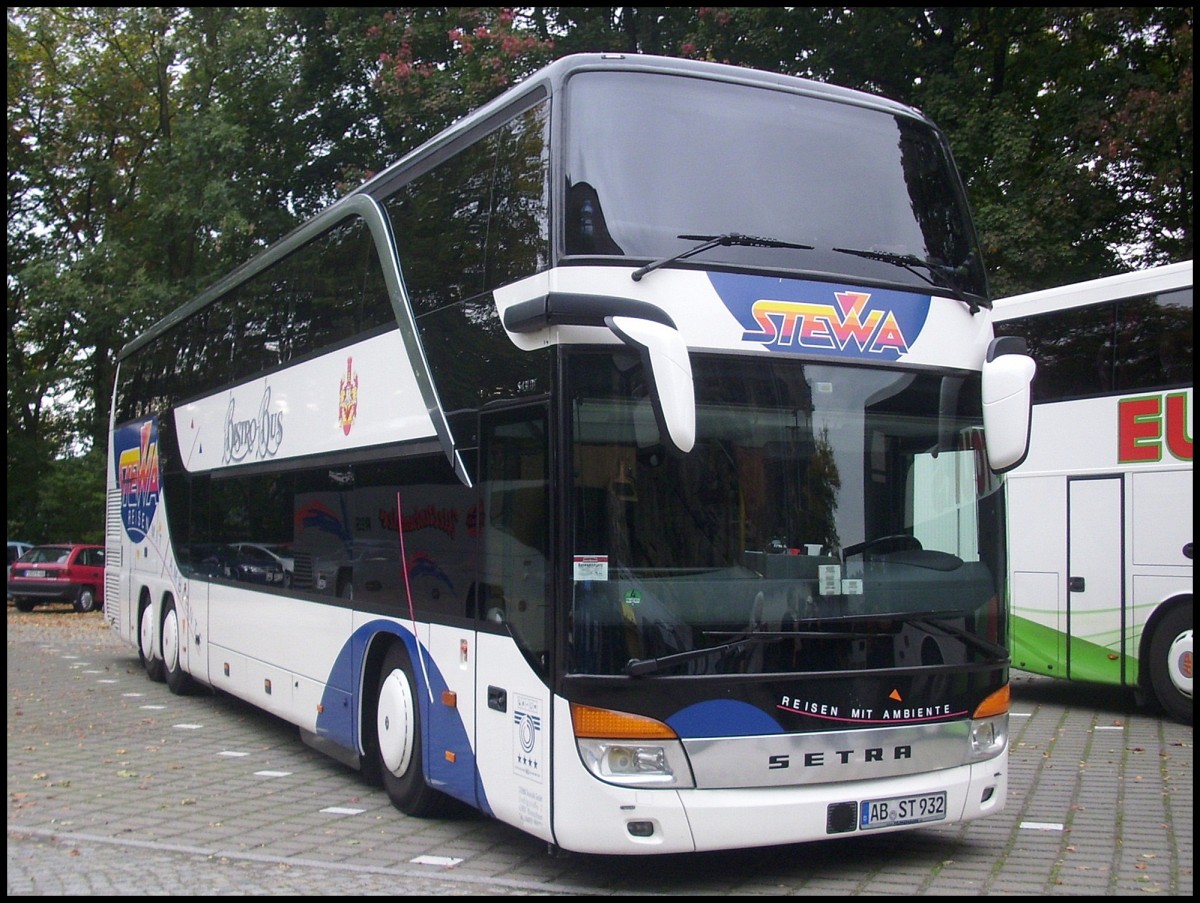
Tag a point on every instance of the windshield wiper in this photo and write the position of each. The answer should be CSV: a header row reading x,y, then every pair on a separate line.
x,y
932,621
714,241
948,277
636,666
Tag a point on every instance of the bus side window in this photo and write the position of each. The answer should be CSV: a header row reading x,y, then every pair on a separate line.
x,y
515,567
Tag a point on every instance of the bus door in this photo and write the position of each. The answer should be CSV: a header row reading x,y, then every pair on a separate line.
x,y
1095,579
514,620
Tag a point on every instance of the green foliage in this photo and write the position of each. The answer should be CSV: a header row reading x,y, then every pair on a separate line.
x,y
151,149
67,502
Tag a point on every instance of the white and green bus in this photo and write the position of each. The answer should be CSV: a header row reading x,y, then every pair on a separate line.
x,y
1100,512
634,446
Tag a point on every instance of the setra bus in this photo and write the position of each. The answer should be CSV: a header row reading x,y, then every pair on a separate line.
x,y
627,444
1100,513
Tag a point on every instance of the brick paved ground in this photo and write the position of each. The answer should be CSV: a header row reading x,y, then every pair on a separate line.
x,y
117,787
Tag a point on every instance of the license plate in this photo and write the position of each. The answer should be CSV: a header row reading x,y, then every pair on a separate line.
x,y
902,810
35,573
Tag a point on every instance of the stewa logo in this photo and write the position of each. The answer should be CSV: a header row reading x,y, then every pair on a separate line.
x,y
797,317
136,447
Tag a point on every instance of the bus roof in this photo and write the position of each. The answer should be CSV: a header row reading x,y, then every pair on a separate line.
x,y
1096,291
550,79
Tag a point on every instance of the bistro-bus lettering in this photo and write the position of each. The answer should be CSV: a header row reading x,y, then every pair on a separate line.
x,y
259,437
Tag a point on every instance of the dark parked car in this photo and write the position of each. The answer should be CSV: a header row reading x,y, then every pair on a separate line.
x,y
67,572
266,553
232,564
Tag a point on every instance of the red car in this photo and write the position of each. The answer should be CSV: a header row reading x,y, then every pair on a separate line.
x,y
70,572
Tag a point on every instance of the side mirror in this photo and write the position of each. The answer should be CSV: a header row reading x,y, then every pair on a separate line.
x,y
671,390
1007,403
641,326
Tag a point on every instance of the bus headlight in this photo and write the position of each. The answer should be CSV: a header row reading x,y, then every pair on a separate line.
x,y
629,750
636,765
989,736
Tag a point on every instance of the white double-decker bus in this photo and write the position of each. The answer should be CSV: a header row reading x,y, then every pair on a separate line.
x,y
1100,513
633,447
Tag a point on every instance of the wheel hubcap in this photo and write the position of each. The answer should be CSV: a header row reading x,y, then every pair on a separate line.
x,y
1179,663
170,640
146,634
394,723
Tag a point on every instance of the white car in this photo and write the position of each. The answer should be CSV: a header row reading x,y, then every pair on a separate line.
x,y
268,551
15,550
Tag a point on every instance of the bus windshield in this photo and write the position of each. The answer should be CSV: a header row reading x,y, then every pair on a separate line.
x,y
827,519
657,165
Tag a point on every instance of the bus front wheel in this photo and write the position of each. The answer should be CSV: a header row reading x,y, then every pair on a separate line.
x,y
398,739
1171,663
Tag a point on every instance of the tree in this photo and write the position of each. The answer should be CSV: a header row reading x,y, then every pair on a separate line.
x,y
152,148
139,167
1072,125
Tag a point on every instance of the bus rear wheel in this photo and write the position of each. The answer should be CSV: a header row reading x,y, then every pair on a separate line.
x,y
1171,663
146,631
398,740
178,680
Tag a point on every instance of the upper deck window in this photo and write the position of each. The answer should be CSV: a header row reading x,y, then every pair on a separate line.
x,y
650,158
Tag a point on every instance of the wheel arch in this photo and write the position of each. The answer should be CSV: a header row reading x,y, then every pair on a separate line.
x,y
1160,613
377,647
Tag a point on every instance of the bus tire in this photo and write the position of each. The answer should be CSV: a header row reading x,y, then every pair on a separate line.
x,y
178,681
146,632
1171,640
398,741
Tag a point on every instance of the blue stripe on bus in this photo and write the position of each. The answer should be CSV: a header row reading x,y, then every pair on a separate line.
x,y
722,718
443,727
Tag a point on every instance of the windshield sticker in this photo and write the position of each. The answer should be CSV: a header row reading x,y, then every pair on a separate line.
x,y
135,450
799,317
591,567
829,579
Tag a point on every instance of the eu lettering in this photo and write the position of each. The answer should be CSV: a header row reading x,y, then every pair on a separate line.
x,y
1148,423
